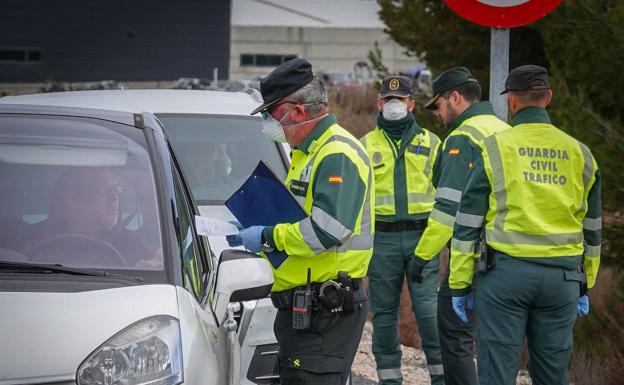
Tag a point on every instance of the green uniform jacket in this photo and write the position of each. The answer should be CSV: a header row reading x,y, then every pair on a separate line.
x,y
403,172
460,149
536,191
330,175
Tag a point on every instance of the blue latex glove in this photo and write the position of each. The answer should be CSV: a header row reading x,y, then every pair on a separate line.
x,y
234,240
582,306
252,238
461,304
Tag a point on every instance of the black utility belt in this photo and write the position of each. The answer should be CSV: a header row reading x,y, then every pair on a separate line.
x,y
283,300
388,227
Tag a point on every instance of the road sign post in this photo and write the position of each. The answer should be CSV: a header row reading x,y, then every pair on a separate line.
x,y
499,68
501,15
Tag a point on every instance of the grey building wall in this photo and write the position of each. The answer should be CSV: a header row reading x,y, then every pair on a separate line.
x,y
89,40
329,49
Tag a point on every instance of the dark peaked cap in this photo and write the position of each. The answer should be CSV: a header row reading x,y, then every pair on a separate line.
x,y
400,86
527,77
449,79
283,81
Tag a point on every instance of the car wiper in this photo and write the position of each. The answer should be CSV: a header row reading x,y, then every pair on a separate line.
x,y
60,269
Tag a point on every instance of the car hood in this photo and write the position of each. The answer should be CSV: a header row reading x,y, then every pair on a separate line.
x,y
46,336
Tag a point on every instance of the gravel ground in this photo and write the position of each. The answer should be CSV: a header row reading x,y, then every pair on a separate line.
x,y
414,365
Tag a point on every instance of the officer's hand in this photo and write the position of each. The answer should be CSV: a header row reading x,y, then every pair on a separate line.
x,y
461,304
234,240
252,238
415,268
582,306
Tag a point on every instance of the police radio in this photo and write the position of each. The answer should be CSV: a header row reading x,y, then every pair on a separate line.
x,y
487,260
302,306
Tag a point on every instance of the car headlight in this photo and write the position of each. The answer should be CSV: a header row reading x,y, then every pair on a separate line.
x,y
146,352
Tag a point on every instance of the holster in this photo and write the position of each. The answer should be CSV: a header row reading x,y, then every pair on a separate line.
x,y
337,296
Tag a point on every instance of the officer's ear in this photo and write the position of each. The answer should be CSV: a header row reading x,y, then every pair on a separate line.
x,y
455,97
411,103
379,104
549,96
298,113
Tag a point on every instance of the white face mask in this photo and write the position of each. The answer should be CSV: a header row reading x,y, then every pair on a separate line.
x,y
273,129
394,110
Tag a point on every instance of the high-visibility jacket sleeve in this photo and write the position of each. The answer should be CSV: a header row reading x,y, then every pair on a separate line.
x,y
592,231
455,160
338,196
467,229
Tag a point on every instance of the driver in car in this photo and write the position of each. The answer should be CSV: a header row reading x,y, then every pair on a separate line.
x,y
84,225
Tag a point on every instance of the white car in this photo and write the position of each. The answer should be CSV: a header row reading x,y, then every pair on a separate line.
x,y
160,309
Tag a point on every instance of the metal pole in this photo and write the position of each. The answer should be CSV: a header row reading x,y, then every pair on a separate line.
x,y
499,68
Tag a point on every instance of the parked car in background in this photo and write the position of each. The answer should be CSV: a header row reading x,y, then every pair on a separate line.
x,y
103,277
217,145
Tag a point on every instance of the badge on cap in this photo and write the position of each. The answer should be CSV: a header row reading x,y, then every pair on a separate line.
x,y
394,84
377,157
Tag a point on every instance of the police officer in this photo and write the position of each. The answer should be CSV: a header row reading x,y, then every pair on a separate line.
x,y
403,156
330,176
536,193
456,102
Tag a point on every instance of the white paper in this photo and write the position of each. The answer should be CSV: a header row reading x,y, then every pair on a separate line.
x,y
213,226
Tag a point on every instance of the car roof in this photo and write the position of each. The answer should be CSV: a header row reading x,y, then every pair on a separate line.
x,y
156,101
122,117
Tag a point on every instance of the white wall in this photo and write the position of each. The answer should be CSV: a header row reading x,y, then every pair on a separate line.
x,y
328,49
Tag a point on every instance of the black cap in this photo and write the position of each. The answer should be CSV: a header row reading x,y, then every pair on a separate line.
x,y
449,79
400,86
283,81
527,77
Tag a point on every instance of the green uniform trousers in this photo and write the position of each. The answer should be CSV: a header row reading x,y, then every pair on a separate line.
x,y
457,340
386,272
519,298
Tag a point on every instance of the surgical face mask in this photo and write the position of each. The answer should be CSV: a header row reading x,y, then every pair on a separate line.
x,y
394,110
272,128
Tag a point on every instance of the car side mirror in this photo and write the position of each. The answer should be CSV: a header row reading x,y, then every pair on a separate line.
x,y
241,276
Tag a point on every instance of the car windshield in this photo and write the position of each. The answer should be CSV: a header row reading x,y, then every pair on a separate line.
x,y
217,153
77,192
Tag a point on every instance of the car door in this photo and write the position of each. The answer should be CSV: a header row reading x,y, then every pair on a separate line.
x,y
207,351
216,154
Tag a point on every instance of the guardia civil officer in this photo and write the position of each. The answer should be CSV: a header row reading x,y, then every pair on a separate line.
x,y
536,193
456,102
404,156
331,177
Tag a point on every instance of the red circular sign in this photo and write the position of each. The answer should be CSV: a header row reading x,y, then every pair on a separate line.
x,y
502,13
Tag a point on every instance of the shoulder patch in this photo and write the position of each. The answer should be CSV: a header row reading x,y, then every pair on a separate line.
x,y
335,179
454,151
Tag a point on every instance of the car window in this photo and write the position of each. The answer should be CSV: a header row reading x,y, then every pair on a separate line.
x,y
81,194
195,269
217,153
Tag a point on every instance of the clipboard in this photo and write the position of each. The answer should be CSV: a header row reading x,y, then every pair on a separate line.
x,y
264,200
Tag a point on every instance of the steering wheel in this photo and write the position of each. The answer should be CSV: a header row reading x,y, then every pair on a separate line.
x,y
100,244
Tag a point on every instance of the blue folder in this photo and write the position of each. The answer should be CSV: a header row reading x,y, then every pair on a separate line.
x,y
265,200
